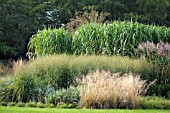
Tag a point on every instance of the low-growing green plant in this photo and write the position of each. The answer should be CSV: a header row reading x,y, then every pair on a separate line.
x,y
30,104
40,105
11,104
4,103
25,88
65,105
49,105
5,91
20,104
154,103
106,90
68,96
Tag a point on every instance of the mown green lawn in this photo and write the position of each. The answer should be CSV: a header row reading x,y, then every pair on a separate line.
x,y
55,110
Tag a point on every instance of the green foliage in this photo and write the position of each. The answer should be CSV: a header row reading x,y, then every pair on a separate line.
x,y
5,91
15,28
145,11
20,19
154,103
25,88
48,105
149,11
50,41
4,104
40,105
11,104
30,104
64,105
116,38
43,13
159,56
66,96
7,50
20,104
44,76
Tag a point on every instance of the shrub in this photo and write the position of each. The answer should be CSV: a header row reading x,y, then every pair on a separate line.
x,y
11,104
68,96
159,56
64,105
20,104
48,105
40,105
25,88
106,90
5,91
4,104
30,104
154,103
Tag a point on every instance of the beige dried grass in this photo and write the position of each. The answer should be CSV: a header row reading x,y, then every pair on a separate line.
x,y
18,65
105,90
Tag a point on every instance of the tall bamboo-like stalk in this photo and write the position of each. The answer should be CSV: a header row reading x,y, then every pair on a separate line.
x,y
50,41
116,38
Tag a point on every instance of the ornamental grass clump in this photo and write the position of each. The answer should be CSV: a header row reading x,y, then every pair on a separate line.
x,y
159,55
105,90
154,52
33,80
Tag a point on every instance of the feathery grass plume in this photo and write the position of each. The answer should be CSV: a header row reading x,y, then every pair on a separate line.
x,y
18,65
105,90
149,50
159,55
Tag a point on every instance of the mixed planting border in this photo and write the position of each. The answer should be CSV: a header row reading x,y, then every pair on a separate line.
x,y
97,81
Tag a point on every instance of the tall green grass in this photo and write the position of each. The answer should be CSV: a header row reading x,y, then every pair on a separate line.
x,y
50,41
116,38
113,38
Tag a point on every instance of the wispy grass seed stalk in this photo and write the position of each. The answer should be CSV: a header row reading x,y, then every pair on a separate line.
x,y
105,90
